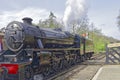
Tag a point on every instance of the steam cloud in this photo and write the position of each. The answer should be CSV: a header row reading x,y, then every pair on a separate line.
x,y
74,12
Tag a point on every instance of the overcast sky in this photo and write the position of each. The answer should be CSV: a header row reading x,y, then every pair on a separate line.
x,y
102,12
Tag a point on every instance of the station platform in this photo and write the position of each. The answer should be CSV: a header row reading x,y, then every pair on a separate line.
x,y
108,72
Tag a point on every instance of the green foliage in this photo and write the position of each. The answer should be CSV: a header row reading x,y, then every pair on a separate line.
x,y
99,43
100,40
51,22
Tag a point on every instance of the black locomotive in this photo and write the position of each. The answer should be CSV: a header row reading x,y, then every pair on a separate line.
x,y
34,50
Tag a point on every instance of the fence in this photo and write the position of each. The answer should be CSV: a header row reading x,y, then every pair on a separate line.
x,y
113,53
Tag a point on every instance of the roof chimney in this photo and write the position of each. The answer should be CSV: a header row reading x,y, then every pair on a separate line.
x,y
27,20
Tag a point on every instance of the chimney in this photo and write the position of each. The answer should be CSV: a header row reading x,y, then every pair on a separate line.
x,y
27,20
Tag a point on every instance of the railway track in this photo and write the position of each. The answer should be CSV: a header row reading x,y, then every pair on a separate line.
x,y
66,73
98,56
74,70
97,59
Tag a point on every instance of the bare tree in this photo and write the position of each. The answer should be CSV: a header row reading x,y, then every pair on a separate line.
x,y
118,20
83,25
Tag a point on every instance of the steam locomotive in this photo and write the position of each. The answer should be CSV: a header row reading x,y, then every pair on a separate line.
x,y
36,50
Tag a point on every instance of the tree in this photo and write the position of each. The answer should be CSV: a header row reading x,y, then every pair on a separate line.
x,y
118,20
2,30
51,22
52,16
83,26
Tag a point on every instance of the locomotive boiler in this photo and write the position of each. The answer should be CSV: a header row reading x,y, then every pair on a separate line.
x,y
36,50
24,35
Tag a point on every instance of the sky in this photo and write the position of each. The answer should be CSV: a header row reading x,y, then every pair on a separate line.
x,y
102,13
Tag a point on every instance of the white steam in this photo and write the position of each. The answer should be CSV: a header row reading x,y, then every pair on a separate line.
x,y
74,12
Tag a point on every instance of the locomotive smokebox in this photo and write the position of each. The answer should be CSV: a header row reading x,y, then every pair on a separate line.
x,y
19,35
27,20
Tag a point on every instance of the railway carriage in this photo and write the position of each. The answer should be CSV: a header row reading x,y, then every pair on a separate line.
x,y
35,50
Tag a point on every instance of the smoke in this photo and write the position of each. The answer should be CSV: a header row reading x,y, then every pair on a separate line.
x,y
74,12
